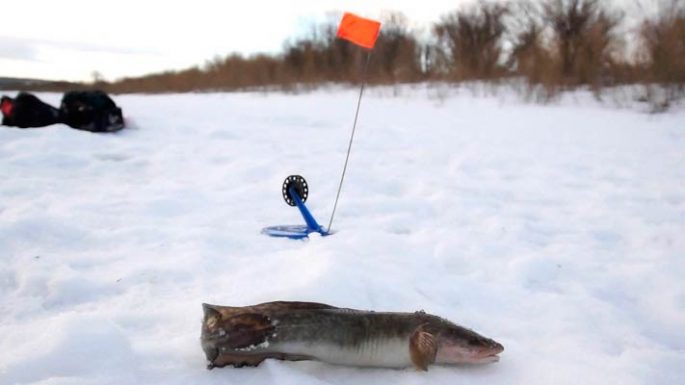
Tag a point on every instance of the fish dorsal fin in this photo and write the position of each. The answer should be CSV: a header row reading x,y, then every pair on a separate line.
x,y
422,348
277,306
266,308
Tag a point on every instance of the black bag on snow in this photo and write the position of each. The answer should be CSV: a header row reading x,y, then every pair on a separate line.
x,y
26,110
91,111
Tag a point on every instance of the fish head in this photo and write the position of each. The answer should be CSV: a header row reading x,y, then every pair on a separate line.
x,y
459,345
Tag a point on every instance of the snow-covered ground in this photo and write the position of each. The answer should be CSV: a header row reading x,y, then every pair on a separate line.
x,y
557,230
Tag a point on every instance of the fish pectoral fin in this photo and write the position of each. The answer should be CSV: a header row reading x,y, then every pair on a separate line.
x,y
247,330
422,348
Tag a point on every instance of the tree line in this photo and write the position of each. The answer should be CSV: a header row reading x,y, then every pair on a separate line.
x,y
553,45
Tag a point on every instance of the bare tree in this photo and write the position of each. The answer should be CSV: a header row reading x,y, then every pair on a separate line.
x,y
396,55
663,43
582,38
663,49
472,40
528,55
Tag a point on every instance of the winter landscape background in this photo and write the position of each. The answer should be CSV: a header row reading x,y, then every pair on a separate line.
x,y
556,230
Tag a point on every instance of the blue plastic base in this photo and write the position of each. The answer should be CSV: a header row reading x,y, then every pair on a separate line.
x,y
291,231
297,231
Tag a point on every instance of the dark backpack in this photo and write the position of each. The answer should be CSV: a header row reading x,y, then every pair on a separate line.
x,y
26,110
91,111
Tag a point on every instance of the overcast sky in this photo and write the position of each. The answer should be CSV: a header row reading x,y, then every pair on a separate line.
x,y
70,39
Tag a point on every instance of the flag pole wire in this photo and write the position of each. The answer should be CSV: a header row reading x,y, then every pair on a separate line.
x,y
349,147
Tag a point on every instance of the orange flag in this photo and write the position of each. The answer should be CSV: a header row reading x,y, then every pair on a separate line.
x,y
359,30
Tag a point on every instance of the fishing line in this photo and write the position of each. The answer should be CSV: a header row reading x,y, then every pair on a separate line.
x,y
349,147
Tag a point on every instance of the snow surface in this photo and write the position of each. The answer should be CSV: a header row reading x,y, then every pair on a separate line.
x,y
557,230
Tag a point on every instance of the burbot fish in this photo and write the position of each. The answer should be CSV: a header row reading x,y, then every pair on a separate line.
x,y
246,336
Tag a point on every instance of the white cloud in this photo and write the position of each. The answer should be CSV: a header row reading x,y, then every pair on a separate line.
x,y
16,49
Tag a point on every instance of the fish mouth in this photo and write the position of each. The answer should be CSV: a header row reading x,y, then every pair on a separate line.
x,y
486,359
489,355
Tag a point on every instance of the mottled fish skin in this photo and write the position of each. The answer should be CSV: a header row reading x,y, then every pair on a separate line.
x,y
247,335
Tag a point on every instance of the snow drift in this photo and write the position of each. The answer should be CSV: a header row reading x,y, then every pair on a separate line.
x,y
557,230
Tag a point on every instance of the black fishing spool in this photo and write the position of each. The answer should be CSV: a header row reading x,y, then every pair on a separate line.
x,y
300,186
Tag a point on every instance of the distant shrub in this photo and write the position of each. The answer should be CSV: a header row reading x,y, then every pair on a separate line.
x,y
471,41
397,56
582,40
531,56
663,54
548,45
